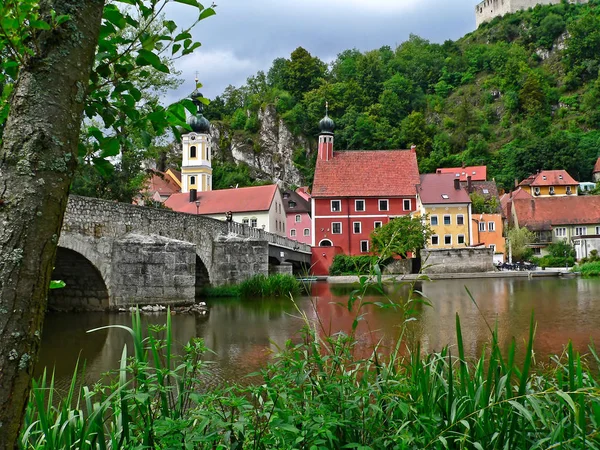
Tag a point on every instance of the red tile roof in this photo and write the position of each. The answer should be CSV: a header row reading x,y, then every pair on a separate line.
x,y
546,212
435,187
364,173
256,198
550,178
477,173
162,183
597,166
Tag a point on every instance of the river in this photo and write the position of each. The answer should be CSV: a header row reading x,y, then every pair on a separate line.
x,y
244,334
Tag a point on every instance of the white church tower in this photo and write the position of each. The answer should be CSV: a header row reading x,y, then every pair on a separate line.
x,y
196,168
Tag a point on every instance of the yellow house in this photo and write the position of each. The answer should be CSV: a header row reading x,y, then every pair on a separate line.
x,y
447,206
550,183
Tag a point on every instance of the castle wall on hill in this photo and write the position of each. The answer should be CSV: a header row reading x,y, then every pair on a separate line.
x,y
488,9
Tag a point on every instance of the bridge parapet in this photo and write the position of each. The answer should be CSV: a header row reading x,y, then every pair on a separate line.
x,y
262,235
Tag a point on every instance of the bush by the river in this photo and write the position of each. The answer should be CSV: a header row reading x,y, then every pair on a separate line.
x,y
320,393
553,261
258,286
352,265
590,269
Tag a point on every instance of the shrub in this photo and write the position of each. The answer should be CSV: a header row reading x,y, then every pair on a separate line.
x,y
590,269
272,286
351,265
228,291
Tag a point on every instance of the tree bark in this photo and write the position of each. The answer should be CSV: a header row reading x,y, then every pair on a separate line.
x,y
37,161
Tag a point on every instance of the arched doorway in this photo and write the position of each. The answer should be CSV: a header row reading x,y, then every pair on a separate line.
x,y
325,243
85,289
202,278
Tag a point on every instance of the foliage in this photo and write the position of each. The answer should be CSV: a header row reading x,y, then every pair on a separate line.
x,y
318,393
279,285
589,269
554,261
519,239
561,249
484,205
400,236
227,291
352,265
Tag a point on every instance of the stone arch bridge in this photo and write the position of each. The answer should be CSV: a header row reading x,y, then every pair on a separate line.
x,y
114,255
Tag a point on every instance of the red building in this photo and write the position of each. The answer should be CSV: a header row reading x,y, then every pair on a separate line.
x,y
355,192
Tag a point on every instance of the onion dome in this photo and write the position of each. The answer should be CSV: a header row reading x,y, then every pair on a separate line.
x,y
326,125
199,124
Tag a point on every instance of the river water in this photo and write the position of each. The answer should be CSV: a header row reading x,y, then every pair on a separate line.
x,y
244,334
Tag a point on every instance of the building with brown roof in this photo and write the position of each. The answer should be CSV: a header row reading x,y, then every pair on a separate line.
x,y
257,206
558,218
298,215
548,183
447,204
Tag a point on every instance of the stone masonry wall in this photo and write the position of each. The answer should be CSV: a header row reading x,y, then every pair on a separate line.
x,y
459,260
239,259
153,269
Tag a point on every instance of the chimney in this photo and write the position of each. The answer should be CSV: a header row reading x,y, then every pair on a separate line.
x,y
193,195
516,182
469,184
413,148
457,184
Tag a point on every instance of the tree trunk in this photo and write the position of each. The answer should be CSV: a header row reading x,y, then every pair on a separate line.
x,y
37,161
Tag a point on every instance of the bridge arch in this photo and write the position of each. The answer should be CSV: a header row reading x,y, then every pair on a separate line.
x,y
85,287
202,275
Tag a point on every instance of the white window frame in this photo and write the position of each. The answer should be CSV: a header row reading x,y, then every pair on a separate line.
x,y
462,216
293,232
536,191
447,236
583,229
493,247
437,237
551,190
339,202
458,239
354,227
491,226
481,226
332,227
246,221
192,180
387,203
449,216
437,220
597,230
377,224
361,246
364,203
254,222
298,218
307,232
404,204
560,232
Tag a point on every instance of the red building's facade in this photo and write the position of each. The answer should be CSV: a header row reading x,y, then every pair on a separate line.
x,y
355,192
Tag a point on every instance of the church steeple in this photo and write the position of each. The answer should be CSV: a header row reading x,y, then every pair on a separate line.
x,y
196,166
326,125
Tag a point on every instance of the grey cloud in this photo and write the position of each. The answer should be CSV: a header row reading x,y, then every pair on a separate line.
x,y
245,36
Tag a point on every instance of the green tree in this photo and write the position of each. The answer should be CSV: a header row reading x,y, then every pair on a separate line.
x,y
519,239
49,63
400,236
302,72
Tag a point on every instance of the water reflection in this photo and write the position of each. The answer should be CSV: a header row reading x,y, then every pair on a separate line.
x,y
243,334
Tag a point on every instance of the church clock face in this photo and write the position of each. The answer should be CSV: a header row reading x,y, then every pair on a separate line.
x,y
193,138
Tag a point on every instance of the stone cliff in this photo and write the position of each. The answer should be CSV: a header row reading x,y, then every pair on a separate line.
x,y
268,152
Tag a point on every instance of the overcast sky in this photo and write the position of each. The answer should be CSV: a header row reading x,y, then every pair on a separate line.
x,y
247,35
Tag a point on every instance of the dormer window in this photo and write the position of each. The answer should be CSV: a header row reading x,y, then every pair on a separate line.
x,y
445,196
292,204
560,177
286,195
544,177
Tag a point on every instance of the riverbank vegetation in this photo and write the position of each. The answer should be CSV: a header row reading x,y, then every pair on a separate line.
x,y
321,392
258,286
590,266
560,254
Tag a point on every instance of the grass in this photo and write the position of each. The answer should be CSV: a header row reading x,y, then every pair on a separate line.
x,y
258,286
318,394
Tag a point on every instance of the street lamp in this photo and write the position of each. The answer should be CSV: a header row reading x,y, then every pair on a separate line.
x,y
197,207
